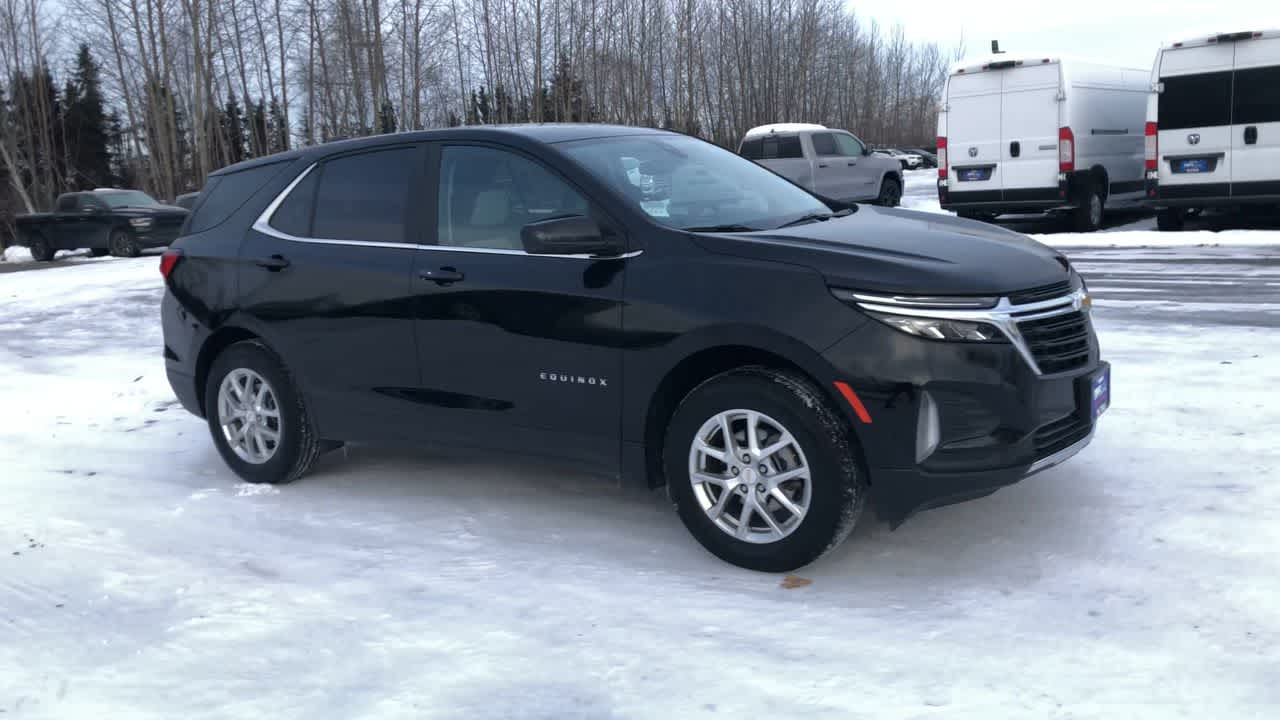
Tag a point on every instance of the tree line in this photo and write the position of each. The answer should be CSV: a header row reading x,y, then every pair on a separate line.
x,y
156,94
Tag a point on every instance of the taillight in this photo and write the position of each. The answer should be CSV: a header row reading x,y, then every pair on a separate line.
x,y
1152,147
942,158
1066,150
168,261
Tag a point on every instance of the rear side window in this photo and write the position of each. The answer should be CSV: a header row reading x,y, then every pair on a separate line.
x,y
224,194
772,147
293,216
1257,96
1194,101
824,144
365,196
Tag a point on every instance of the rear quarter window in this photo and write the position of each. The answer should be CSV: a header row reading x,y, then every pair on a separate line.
x,y
224,194
771,147
1194,101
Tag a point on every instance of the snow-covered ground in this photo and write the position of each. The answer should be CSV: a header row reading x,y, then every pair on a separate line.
x,y
139,578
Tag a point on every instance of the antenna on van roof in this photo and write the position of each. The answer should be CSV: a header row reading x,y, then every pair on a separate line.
x,y
995,48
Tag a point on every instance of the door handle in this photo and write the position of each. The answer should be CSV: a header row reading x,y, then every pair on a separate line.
x,y
1015,149
822,165
442,276
275,263
1251,135
852,163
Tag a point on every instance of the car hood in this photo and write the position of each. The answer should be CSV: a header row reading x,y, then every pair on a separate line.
x,y
902,251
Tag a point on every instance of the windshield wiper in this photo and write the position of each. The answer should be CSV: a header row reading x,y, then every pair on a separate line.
x,y
728,227
817,217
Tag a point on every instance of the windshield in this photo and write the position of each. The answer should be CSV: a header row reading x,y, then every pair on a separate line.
x,y
686,183
127,198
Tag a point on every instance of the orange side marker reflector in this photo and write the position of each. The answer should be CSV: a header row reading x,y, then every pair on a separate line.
x,y
854,402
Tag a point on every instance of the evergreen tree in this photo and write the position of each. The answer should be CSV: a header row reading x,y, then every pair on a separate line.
x,y
258,128
279,128
387,118
85,126
568,95
232,126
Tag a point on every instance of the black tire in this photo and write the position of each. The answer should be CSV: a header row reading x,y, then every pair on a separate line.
x,y
890,193
1087,217
40,248
298,446
98,252
1171,220
837,490
123,244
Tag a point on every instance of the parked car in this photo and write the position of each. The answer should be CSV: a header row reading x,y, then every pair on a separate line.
x,y
1213,125
121,222
909,161
1041,134
832,163
186,201
928,159
774,359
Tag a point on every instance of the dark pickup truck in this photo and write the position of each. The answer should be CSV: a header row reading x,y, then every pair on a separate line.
x,y
120,222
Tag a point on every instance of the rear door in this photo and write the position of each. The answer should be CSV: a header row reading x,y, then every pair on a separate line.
x,y
973,135
1194,120
1255,118
1029,122
781,153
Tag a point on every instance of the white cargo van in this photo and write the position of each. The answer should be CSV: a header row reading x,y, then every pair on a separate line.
x,y
1213,124
1041,134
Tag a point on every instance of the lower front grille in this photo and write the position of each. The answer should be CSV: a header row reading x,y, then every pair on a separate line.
x,y
1059,435
1058,343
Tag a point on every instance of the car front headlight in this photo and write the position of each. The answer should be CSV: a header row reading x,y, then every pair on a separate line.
x,y
140,223
953,318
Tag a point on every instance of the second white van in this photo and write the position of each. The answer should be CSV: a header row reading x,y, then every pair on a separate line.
x,y
1019,134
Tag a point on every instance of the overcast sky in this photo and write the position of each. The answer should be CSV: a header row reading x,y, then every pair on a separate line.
x,y
1124,32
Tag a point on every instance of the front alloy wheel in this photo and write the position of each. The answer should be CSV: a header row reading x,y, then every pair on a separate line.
x,y
749,476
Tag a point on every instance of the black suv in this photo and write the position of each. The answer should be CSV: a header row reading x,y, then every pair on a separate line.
x,y
641,302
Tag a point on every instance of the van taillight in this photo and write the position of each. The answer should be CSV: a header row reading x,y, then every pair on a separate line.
x,y
942,158
1066,150
168,261
1153,146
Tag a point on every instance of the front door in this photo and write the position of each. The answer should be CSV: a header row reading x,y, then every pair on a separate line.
x,y
865,176
834,175
92,224
325,281
521,350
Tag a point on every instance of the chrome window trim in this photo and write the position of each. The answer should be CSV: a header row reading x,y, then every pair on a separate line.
x,y
1005,315
263,225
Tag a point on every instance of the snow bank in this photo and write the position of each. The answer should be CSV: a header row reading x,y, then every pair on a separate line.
x,y
16,254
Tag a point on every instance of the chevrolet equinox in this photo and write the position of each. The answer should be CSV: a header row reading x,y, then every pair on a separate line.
x,y
639,302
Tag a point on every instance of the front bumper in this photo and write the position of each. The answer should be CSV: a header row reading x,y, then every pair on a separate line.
x,y
998,419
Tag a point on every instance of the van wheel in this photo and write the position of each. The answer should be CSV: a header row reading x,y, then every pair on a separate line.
x,y
257,417
762,470
122,244
1088,216
40,248
1171,220
890,193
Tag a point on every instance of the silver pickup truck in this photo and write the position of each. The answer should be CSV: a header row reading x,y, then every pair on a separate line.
x,y
831,163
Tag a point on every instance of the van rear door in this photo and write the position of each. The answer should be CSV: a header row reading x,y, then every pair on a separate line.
x,y
1255,118
973,135
1194,120
1029,122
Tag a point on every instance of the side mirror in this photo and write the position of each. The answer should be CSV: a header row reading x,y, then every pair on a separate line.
x,y
866,151
572,235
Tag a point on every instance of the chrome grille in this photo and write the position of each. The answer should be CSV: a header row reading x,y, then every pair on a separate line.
x,y
1044,292
1059,342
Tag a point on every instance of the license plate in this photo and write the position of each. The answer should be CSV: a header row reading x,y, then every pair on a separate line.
x,y
1196,165
1100,392
975,174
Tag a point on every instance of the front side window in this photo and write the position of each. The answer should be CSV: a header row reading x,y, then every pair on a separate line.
x,y
364,197
849,145
687,183
66,203
824,144
88,202
487,195
127,198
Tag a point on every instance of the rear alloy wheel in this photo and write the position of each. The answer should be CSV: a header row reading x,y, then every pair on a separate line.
x,y
1088,216
40,248
890,193
1171,219
762,470
258,420
123,244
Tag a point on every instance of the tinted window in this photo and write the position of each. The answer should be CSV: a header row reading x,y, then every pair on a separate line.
x,y
1257,96
488,195
1192,101
293,216
126,198
772,147
66,203
849,145
224,194
365,196
88,201
824,144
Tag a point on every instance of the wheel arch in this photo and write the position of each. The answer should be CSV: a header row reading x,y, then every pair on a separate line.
x,y
221,339
1101,180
